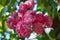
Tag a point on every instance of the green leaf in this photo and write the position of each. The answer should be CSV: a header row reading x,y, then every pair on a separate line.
x,y
52,34
59,13
58,37
42,37
53,6
1,7
3,2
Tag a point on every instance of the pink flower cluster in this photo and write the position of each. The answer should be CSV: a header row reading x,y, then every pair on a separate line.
x,y
27,20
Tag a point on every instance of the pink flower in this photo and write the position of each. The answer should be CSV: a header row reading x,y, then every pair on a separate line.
x,y
13,14
40,18
11,22
38,27
29,16
30,4
27,20
23,6
23,29
48,21
22,9
21,12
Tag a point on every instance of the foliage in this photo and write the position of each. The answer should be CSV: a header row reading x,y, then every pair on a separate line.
x,y
49,6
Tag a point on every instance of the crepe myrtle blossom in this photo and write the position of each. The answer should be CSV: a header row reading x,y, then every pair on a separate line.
x,y
26,18
23,29
11,22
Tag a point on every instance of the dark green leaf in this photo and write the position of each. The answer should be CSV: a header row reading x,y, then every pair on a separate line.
x,y
42,37
58,37
59,13
52,34
53,6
